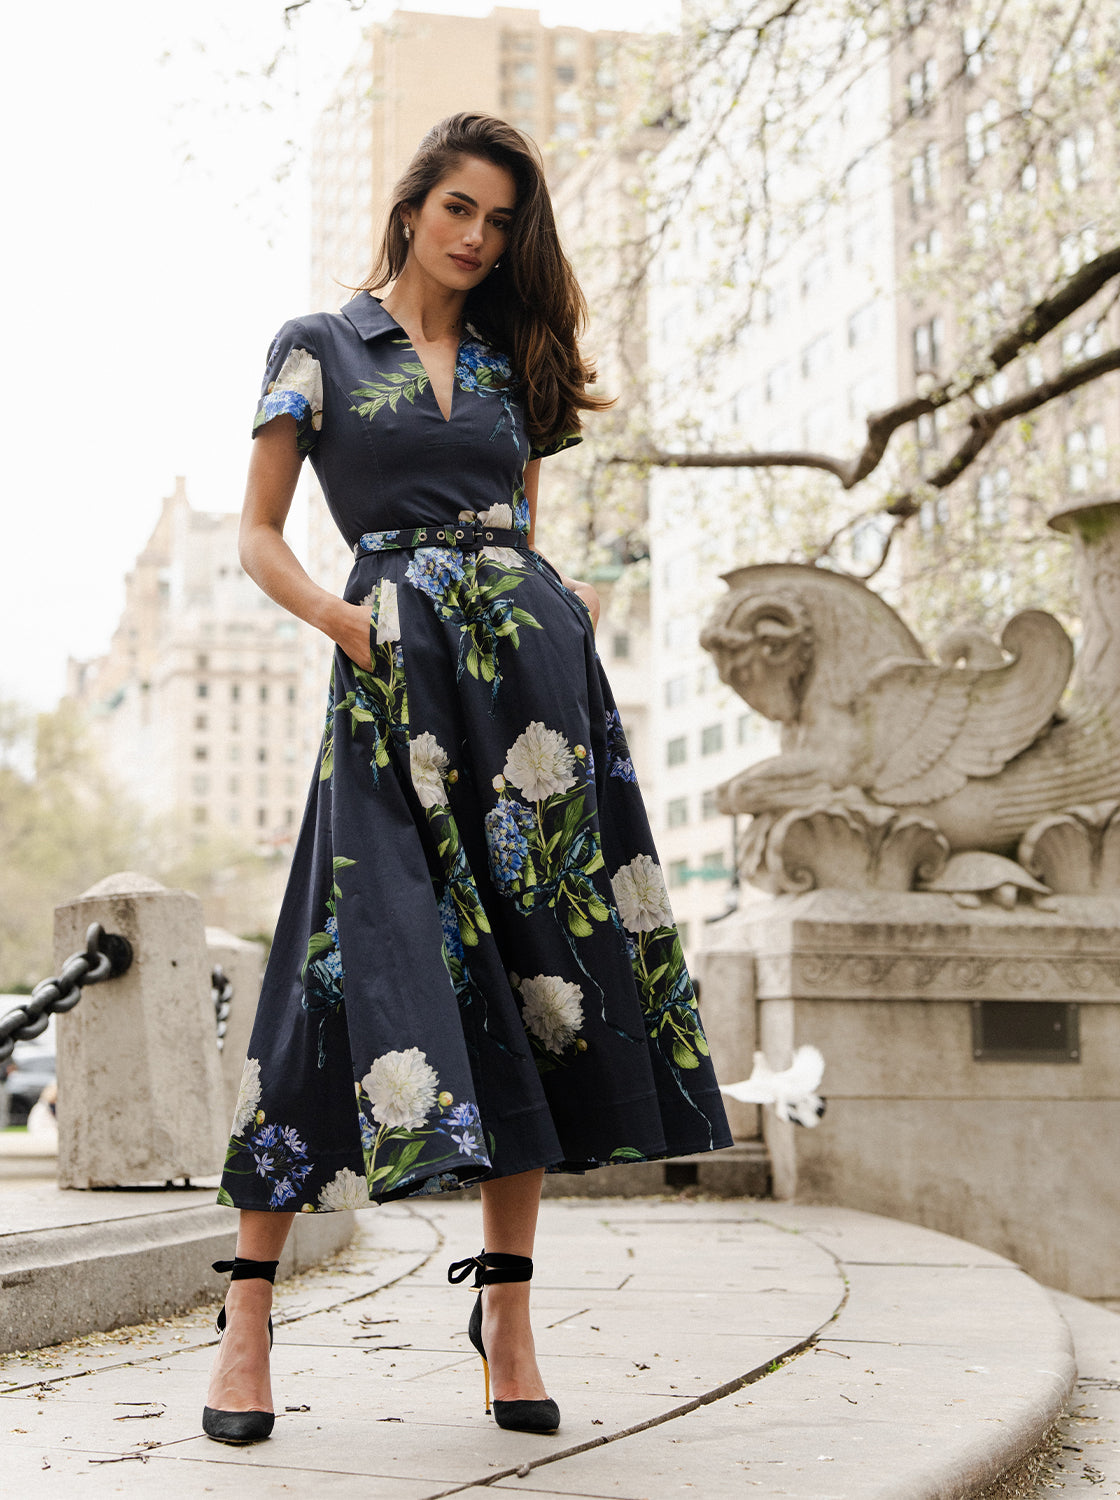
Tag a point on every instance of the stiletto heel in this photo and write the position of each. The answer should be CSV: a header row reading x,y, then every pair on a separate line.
x,y
240,1426
516,1416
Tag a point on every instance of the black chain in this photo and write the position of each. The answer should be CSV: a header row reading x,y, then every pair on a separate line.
x,y
221,992
106,956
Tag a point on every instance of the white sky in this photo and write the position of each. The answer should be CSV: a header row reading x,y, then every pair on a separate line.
x,y
149,257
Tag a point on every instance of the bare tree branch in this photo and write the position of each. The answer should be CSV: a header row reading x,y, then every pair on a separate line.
x,y
1039,320
985,423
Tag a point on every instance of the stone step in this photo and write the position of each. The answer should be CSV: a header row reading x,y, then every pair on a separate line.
x,y
84,1262
740,1171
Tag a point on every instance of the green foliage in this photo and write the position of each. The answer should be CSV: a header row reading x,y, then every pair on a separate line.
x,y
65,824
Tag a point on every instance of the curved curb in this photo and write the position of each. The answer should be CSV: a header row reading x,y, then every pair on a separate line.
x,y
102,1273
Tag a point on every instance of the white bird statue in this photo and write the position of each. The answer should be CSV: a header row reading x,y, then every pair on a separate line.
x,y
791,1093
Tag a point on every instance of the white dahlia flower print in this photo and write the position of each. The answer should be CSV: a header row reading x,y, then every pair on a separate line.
x,y
300,373
388,615
345,1190
428,761
539,763
552,1010
401,1088
498,515
248,1096
639,891
505,557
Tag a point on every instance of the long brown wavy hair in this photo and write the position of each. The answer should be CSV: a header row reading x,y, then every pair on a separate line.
x,y
530,306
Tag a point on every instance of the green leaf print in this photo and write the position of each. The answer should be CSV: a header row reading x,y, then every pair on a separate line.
x,y
410,381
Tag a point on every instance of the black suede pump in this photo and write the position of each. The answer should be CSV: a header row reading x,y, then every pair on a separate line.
x,y
240,1426
517,1416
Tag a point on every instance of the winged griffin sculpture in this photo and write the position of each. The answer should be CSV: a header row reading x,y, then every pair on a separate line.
x,y
912,758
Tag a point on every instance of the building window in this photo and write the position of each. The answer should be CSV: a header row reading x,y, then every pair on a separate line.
x,y
198,814
927,341
202,689
233,817
262,692
202,663
201,752
816,357
235,786
861,325
708,808
262,753
291,694
981,132
814,274
925,175
676,751
743,728
677,871
715,859
620,645
778,382
565,73
682,933
289,816
973,41
711,739
676,691
679,631
921,85
235,692
1086,460
676,812
200,785
200,721
262,817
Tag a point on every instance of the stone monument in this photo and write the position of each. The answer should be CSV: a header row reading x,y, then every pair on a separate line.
x,y
936,856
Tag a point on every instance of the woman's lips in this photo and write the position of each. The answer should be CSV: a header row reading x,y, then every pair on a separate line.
x,y
466,262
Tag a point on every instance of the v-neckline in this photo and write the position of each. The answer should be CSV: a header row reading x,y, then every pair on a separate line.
x,y
427,373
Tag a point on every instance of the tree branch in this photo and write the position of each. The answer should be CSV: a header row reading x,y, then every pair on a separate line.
x,y
1038,321
984,424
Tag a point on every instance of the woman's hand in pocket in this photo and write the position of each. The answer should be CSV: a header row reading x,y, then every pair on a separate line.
x,y
350,630
587,592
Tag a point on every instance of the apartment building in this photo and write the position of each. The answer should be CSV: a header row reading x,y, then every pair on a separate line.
x,y
816,354
1006,170
194,706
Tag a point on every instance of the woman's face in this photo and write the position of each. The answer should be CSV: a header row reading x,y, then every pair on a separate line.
x,y
462,227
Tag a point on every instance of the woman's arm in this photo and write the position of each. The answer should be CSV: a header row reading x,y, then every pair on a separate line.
x,y
583,591
271,563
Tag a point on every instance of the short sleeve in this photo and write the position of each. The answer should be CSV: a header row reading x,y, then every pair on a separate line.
x,y
546,447
293,386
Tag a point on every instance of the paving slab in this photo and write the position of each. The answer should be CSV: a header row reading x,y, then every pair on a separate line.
x,y
694,1347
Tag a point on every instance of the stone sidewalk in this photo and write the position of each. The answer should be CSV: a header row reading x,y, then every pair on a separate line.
x,y
695,1348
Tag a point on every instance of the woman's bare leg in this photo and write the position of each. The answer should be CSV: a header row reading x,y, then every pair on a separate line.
x,y
509,1224
240,1378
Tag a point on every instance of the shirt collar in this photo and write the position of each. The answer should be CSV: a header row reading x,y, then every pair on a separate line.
x,y
371,320
368,316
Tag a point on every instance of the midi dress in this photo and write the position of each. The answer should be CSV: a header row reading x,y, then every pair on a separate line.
x,y
475,970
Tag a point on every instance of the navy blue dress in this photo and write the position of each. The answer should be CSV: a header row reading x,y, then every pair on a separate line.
x,y
475,970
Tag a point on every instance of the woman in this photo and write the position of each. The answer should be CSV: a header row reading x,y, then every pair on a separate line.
x,y
476,975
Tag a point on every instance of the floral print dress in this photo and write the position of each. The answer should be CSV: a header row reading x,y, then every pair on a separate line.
x,y
475,970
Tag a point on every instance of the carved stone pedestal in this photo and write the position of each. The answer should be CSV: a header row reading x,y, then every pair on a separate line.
x,y
900,993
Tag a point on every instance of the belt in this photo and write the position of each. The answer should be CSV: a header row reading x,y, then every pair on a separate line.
x,y
469,536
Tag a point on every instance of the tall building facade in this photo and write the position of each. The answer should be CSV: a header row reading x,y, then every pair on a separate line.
x,y
815,355
194,707
1006,163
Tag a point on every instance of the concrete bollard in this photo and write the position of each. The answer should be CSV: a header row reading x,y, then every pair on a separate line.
x,y
243,964
139,1080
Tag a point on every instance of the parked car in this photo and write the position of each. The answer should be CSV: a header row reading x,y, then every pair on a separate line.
x,y
30,1069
